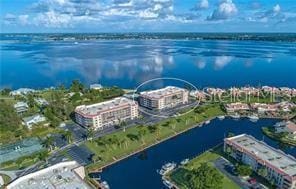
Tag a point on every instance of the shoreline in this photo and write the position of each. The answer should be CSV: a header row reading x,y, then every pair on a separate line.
x,y
203,123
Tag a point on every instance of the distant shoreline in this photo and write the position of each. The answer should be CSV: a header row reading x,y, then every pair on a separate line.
x,y
233,36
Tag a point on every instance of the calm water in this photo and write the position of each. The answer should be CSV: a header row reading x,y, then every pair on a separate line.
x,y
126,63
139,171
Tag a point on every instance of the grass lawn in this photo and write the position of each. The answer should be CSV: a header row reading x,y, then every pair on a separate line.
x,y
270,132
178,176
117,145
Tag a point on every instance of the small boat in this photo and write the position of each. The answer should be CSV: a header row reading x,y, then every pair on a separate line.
x,y
253,118
105,185
184,161
221,117
167,168
207,122
235,116
167,183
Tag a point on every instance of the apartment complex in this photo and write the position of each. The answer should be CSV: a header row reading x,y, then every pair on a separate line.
x,y
280,167
64,175
237,106
167,97
106,113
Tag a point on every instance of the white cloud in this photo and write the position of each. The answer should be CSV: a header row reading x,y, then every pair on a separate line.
x,y
226,9
67,13
23,19
53,19
202,4
276,8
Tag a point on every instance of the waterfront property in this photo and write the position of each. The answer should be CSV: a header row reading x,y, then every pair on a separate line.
x,y
112,112
33,120
280,167
167,97
22,91
96,86
21,107
41,102
288,127
235,107
64,175
262,108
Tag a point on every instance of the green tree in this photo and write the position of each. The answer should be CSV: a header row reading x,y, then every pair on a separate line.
x,y
9,120
205,177
90,134
76,86
263,171
142,132
5,91
43,155
244,170
30,99
68,136
48,143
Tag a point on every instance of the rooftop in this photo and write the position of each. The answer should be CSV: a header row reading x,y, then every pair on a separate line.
x,y
284,162
95,109
20,104
159,93
291,126
58,176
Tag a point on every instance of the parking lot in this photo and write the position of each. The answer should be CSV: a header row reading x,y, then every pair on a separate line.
x,y
228,169
80,154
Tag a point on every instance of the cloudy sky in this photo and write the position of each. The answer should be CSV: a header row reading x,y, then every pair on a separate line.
x,y
148,16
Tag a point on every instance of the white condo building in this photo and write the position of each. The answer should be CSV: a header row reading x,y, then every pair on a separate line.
x,y
106,113
167,97
64,175
280,167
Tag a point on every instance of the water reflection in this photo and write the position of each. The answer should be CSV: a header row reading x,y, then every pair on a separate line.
x,y
129,62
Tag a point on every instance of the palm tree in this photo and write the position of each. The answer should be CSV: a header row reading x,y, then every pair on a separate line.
x,y
114,140
142,133
90,134
43,155
69,137
48,143
122,124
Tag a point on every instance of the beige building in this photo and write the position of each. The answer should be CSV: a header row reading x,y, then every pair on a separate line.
x,y
64,175
106,113
280,167
167,97
237,106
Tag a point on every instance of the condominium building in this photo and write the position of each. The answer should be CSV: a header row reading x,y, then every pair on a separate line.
x,y
106,113
235,107
64,175
163,98
280,167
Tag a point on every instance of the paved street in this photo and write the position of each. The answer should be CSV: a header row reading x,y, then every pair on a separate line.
x,y
80,153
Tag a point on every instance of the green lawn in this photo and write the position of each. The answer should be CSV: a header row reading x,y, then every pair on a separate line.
x,y
270,132
178,176
114,146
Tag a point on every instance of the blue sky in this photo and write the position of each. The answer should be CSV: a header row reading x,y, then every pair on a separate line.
x,y
148,16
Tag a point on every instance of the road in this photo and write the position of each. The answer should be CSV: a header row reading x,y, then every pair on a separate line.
x,y
79,152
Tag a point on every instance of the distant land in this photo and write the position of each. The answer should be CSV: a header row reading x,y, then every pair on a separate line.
x,y
285,37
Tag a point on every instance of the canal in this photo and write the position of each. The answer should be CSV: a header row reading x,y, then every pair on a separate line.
x,y
139,171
